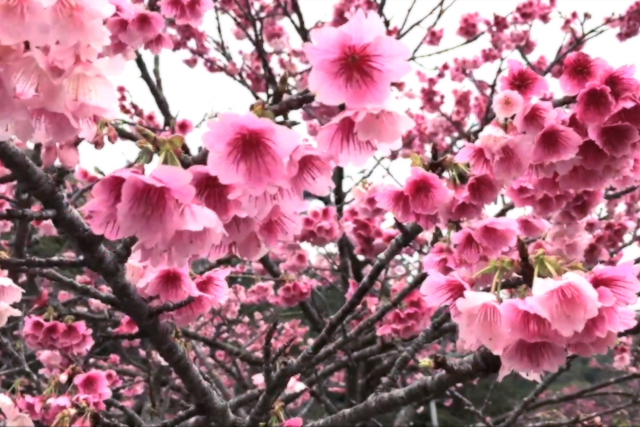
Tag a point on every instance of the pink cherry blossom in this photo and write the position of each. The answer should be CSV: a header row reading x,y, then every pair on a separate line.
x,y
425,191
524,323
385,126
480,321
532,118
523,80
309,171
347,140
507,104
171,285
26,20
578,70
356,62
293,422
10,293
621,280
440,290
186,12
101,211
150,206
532,358
7,311
93,383
555,143
595,103
248,149
11,414
213,194
568,303
214,291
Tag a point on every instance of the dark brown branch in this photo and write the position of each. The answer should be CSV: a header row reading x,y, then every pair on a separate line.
x,y
476,365
621,193
73,286
171,306
528,401
103,262
26,214
158,96
240,353
9,263
425,337
304,360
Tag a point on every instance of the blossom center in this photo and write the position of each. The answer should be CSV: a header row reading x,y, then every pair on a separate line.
x,y
357,66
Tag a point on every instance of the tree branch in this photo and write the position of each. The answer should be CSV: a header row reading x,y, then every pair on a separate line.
x,y
103,262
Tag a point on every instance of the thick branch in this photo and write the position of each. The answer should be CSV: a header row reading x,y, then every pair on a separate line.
x,y
479,364
103,262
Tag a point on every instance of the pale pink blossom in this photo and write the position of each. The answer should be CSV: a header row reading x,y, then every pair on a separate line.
x,y
11,414
568,303
480,321
248,150
10,293
356,62
440,290
7,311
507,104
309,170
150,205
532,359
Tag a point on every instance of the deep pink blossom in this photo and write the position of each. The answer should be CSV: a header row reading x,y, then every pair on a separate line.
x,y
426,191
523,80
579,69
213,194
186,12
150,205
171,285
555,143
595,103
93,383
532,118
616,140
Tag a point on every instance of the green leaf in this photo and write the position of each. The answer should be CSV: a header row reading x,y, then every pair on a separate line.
x,y
144,156
168,157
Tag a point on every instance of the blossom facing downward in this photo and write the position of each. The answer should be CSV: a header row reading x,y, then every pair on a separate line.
x,y
248,150
567,303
